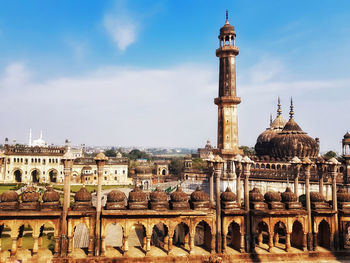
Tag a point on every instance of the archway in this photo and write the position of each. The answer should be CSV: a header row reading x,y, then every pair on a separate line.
x,y
35,176
159,236
81,237
202,236
137,237
263,234
5,236
280,232
323,235
180,238
46,240
297,236
164,172
18,176
114,237
25,240
53,176
233,238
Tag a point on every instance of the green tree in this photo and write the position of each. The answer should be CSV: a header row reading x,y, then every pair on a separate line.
x,y
199,164
330,154
137,154
111,152
176,166
247,150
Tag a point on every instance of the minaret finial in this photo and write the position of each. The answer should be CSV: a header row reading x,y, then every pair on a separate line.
x,y
227,17
279,110
270,119
291,112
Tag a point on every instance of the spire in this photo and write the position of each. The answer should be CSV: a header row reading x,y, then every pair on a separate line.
x,y
270,119
227,17
279,110
291,112
41,134
30,138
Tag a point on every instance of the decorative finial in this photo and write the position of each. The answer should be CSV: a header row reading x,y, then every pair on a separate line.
x,y
279,110
227,17
291,112
270,119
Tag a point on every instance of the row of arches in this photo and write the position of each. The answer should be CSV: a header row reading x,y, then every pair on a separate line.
x,y
35,175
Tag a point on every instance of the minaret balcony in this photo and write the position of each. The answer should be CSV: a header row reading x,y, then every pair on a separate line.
x,y
227,100
227,50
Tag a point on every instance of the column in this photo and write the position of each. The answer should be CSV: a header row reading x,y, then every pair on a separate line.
x,y
320,170
148,244
224,243
126,245
270,242
242,243
333,169
191,243
218,162
305,242
166,242
211,185
70,245
56,246
288,242
170,244
91,246
36,245
238,182
100,160
246,173
307,167
103,246
14,246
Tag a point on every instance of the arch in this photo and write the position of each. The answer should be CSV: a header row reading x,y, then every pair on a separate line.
x,y
25,232
297,235
53,175
18,175
233,237
280,232
114,235
203,236
163,172
5,237
180,237
323,234
35,174
81,237
273,166
137,236
159,235
263,233
267,166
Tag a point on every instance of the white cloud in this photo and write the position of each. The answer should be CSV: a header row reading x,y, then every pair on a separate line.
x,y
121,29
79,48
15,75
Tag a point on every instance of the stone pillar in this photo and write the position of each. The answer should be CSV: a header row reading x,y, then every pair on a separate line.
x,y
333,166
56,246
211,184
170,244
307,167
148,244
36,245
218,162
70,245
100,160
246,163
67,160
304,242
191,244
91,246
296,180
126,244
288,242
166,242
186,241
14,246
224,243
212,244
238,182
103,246
270,242
242,244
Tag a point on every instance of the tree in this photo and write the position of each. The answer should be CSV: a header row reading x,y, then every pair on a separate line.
x,y
137,154
199,164
176,166
111,152
247,150
330,154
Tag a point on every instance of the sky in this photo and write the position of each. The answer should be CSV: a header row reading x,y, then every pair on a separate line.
x,y
144,73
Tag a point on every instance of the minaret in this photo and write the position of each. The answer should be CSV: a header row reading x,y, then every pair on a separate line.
x,y
227,100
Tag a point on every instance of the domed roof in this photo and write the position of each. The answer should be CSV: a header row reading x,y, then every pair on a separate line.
x,y
347,135
9,196
343,195
255,195
199,195
228,195
272,196
115,196
179,195
227,29
316,197
158,195
293,141
50,195
101,157
143,169
86,168
83,195
289,196
137,195
30,195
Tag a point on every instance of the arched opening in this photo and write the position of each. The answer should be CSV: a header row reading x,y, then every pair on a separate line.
x,y
5,235
159,236
202,236
53,176
181,236
18,176
114,240
81,238
164,172
46,241
137,238
263,234
233,238
25,241
297,236
35,176
347,236
279,237
323,235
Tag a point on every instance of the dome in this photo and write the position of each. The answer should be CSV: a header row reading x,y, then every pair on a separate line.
x,y
51,195
199,195
179,195
158,195
101,157
255,195
227,29
143,169
83,195
30,195
278,123
316,197
228,195
289,196
263,143
347,135
115,196
272,196
343,195
9,196
137,195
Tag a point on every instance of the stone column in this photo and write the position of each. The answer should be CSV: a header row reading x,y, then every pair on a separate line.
x,y
224,243
36,245
103,246
148,244
57,246
307,166
320,172
238,181
14,246
126,245
166,242
305,242
191,244
296,164
246,163
288,242
67,159
218,162
70,245
211,183
91,246
170,244
242,244
270,242
333,167
100,160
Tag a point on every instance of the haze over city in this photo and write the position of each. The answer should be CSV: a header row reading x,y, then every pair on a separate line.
x,y
145,73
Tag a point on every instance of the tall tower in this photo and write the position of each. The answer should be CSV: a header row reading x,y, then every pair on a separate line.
x,y
227,100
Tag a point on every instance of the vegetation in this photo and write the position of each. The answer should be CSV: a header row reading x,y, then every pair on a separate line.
x,y
176,166
12,187
247,150
137,154
330,154
199,164
111,152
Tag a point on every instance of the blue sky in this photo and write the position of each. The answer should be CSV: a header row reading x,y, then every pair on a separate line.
x,y
145,72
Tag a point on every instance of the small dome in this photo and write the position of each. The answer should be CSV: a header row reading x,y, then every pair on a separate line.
x,y
137,195
9,196
347,135
143,169
343,195
289,196
255,195
199,195
158,195
83,195
228,195
263,143
272,196
115,196
278,123
50,195
179,195
101,157
30,195
316,197
227,29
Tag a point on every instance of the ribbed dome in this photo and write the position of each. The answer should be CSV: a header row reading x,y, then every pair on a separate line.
x,y
9,196
272,196
137,195
30,195
228,195
158,195
115,196
278,123
199,195
179,195
289,196
263,143
347,135
51,195
255,195
343,195
316,197
83,195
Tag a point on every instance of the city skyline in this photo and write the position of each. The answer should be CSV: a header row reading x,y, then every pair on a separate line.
x,y
127,73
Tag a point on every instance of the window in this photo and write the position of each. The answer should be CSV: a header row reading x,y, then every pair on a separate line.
x,y
123,171
95,177
116,171
105,178
116,178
